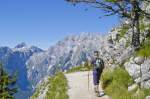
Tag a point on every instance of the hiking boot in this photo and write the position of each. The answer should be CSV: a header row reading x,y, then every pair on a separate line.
x,y
101,94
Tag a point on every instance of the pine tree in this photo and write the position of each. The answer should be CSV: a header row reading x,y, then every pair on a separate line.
x,y
7,83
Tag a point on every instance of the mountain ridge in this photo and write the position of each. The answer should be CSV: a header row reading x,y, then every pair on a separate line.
x,y
33,63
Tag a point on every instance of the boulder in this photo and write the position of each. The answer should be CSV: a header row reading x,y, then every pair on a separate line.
x,y
125,54
147,97
145,67
132,60
133,69
146,76
122,42
139,60
145,84
114,35
132,87
138,80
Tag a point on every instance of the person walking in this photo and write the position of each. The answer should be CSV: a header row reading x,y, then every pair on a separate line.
x,y
98,66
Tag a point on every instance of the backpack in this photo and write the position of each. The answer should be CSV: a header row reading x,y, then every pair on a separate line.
x,y
98,63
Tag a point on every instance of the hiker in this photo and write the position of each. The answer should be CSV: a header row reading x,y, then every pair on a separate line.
x,y
98,66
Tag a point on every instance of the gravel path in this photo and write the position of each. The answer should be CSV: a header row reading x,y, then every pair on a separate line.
x,y
78,86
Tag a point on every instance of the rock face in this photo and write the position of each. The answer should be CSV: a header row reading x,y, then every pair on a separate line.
x,y
139,69
117,51
133,69
69,52
145,69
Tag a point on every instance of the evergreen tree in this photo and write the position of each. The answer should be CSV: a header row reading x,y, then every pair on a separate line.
x,y
6,84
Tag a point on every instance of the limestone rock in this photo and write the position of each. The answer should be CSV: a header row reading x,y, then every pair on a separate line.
x,y
139,60
133,69
145,67
132,87
147,97
145,84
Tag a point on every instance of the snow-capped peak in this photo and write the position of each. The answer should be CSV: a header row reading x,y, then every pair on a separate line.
x,y
21,45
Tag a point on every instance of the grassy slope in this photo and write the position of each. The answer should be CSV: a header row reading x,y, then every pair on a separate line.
x,y
57,88
116,82
57,85
145,49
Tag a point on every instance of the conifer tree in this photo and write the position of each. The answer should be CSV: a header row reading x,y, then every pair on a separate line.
x,y
7,83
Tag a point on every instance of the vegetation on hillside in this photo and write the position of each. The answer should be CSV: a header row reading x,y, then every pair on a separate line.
x,y
144,51
7,83
83,67
57,87
38,90
123,31
116,82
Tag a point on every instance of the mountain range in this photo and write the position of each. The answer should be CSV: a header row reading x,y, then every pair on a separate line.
x,y
32,64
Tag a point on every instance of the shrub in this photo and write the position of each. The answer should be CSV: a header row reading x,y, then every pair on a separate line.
x,y
119,76
144,51
123,31
115,83
58,87
143,27
42,86
128,43
106,78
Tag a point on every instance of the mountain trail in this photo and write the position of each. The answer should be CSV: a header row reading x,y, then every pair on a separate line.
x,y
78,86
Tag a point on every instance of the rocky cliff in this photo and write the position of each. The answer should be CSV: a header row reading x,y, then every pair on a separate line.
x,y
117,51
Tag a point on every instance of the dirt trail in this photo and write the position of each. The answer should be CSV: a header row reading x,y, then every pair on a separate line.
x,y
78,86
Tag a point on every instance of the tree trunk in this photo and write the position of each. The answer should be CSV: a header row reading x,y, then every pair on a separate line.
x,y
135,25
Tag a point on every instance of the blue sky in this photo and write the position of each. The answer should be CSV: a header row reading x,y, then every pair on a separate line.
x,y
44,22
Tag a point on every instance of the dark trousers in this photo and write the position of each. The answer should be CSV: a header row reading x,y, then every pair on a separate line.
x,y
96,76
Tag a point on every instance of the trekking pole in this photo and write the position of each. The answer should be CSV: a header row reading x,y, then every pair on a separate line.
x,y
88,75
88,81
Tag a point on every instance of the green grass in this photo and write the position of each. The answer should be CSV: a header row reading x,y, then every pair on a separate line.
x,y
123,31
144,51
143,27
42,86
116,82
58,87
85,67
117,76
128,43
